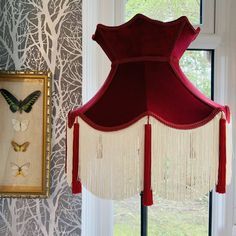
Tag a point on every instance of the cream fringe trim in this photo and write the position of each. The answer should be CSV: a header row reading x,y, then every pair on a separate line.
x,y
229,152
184,162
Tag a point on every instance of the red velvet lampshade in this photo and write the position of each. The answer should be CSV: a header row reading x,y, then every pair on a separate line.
x,y
148,128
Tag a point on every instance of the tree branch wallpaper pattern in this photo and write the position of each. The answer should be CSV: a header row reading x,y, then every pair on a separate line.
x,y
45,35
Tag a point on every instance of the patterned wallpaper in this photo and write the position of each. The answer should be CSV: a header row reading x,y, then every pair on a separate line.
x,y
45,35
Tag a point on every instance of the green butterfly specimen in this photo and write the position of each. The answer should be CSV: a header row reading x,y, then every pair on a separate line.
x,y
19,105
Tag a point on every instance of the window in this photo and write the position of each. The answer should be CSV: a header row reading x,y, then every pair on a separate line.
x,y
164,11
190,218
96,213
198,67
199,12
170,217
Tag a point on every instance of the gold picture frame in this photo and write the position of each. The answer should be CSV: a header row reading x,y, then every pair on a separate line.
x,y
25,105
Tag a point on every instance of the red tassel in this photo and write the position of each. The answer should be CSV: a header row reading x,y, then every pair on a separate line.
x,y
147,192
76,184
221,185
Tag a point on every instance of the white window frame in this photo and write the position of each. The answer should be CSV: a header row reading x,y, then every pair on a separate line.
x,y
208,16
223,205
97,214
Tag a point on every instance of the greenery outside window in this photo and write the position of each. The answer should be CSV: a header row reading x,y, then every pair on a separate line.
x,y
165,10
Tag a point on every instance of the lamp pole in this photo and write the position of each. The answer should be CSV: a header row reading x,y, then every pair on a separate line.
x,y
144,214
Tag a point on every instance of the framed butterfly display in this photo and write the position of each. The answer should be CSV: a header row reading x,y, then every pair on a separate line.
x,y
25,133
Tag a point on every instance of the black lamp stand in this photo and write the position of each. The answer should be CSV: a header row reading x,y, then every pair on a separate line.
x,y
144,215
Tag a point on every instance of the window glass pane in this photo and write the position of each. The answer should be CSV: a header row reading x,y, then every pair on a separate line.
x,y
187,218
127,217
171,218
196,65
165,10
